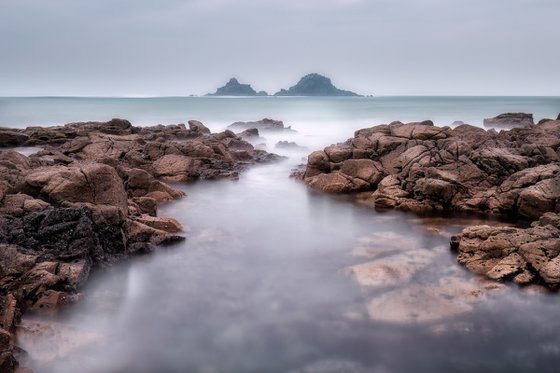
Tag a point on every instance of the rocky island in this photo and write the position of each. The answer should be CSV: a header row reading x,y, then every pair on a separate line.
x,y
234,88
309,85
89,199
422,168
314,85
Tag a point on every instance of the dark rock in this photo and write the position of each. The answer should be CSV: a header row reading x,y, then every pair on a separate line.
x,y
510,120
314,85
289,145
261,125
196,126
12,138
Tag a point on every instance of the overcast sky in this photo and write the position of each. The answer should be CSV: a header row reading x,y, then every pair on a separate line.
x,y
181,47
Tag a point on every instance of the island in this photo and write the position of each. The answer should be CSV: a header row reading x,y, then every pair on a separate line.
x,y
234,88
314,85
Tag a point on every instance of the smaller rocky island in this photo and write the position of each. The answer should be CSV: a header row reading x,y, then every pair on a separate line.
x,y
234,88
314,85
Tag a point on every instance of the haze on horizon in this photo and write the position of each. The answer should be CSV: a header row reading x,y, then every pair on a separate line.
x,y
182,47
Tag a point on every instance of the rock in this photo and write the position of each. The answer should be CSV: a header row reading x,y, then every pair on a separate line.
x,y
263,125
467,169
89,199
169,225
289,145
524,255
314,85
94,183
510,120
391,270
174,167
196,126
425,303
12,138
336,182
234,88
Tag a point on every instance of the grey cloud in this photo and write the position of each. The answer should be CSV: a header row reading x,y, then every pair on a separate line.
x,y
172,47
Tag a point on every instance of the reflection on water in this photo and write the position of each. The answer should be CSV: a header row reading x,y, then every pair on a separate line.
x,y
276,278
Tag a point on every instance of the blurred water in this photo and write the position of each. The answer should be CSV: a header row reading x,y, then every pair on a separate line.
x,y
262,283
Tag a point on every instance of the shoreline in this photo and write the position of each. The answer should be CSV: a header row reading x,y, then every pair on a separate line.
x,y
79,157
89,199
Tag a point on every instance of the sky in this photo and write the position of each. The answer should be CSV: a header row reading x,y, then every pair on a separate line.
x,y
182,47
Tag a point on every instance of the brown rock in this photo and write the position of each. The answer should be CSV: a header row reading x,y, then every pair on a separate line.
x,y
174,167
198,127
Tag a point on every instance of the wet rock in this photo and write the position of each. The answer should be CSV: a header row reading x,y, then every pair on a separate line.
x,y
89,199
289,145
524,255
263,125
510,120
420,167
12,138
174,167
95,183
196,126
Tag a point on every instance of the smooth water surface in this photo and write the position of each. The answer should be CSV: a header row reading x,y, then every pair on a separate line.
x,y
220,111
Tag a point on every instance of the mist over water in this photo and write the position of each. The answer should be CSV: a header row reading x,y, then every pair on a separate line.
x,y
268,279
218,112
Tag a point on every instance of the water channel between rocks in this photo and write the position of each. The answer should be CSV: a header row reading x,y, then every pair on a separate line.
x,y
274,277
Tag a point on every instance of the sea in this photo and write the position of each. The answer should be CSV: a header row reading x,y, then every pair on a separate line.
x,y
274,277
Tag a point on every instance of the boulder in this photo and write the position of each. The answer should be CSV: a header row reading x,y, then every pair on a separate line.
x,y
95,183
198,127
510,120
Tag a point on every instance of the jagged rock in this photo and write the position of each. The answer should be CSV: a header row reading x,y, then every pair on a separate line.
x,y
12,137
508,253
94,183
513,173
89,199
510,120
196,126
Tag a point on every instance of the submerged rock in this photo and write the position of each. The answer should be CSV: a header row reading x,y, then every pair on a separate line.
x,y
263,125
510,120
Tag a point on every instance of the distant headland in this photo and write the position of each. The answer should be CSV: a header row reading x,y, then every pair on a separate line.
x,y
309,85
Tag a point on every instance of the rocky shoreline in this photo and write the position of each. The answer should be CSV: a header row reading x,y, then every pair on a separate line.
x,y
89,199
419,167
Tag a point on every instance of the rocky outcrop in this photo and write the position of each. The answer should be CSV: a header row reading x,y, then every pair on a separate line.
x,y
510,120
314,85
263,125
508,253
421,167
89,199
234,88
